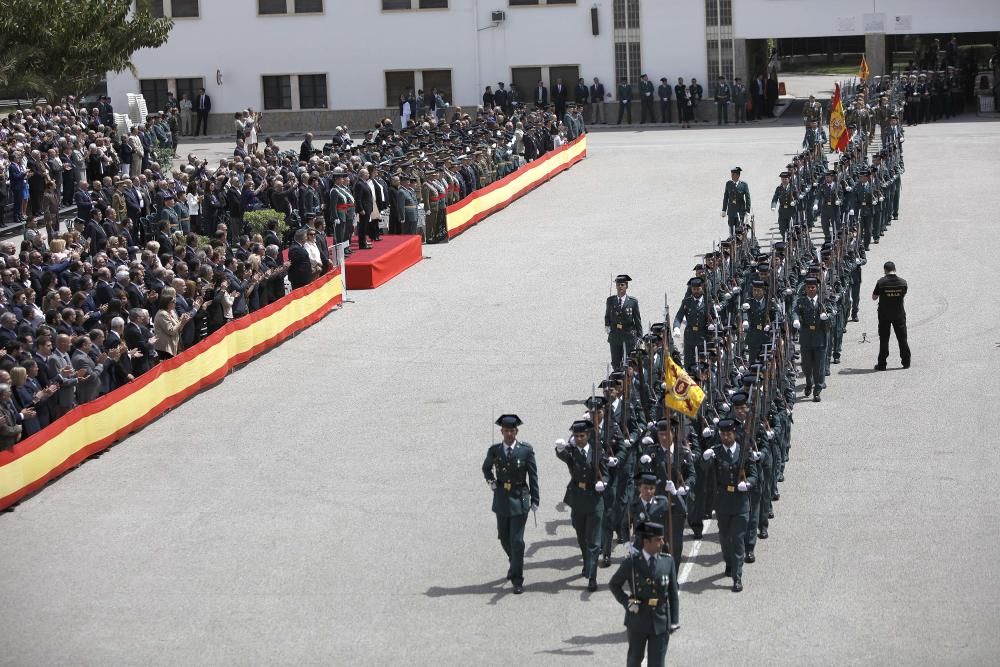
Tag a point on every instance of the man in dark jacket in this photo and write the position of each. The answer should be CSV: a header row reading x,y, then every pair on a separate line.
x,y
300,267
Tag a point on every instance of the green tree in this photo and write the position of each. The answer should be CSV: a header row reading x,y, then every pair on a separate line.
x,y
54,48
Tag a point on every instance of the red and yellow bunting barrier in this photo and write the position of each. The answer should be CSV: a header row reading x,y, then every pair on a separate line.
x,y
94,426
498,195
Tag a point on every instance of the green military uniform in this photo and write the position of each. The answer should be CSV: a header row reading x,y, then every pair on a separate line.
x,y
512,474
585,493
812,320
651,609
622,322
408,204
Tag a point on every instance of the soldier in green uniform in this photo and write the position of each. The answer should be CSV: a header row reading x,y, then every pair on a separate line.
x,y
811,319
624,101
342,205
695,311
784,200
512,475
622,321
812,111
760,494
659,458
735,199
735,475
585,492
646,100
722,96
757,318
648,506
651,608
408,205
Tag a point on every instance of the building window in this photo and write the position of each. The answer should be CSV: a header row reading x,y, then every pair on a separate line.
x,y
272,7
312,91
396,84
526,3
526,79
189,86
628,54
439,79
308,6
392,5
178,9
277,92
155,93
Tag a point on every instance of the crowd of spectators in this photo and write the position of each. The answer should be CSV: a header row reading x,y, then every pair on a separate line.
x,y
154,257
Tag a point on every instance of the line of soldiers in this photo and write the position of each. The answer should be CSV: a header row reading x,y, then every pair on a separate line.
x,y
640,473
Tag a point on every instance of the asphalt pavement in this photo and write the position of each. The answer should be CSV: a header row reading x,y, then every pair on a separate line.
x,y
324,505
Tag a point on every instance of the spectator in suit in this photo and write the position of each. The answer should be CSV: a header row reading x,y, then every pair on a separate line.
x,y
559,96
89,386
140,341
10,421
771,96
60,368
541,95
758,92
30,397
203,106
597,102
306,150
364,205
300,266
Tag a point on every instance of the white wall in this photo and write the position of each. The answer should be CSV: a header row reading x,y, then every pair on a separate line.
x,y
355,42
758,19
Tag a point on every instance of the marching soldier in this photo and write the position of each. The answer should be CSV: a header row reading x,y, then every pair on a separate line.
x,y
811,319
648,506
512,475
784,200
622,321
812,112
651,607
757,318
619,473
760,494
735,199
585,492
660,459
695,311
735,475
865,198
829,203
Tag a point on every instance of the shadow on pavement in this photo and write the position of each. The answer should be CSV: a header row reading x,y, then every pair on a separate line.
x,y
865,371
584,640
715,581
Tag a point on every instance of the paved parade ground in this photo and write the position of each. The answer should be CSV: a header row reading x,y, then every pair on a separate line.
x,y
325,505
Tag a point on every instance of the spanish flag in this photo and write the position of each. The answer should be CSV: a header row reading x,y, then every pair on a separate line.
x,y
683,393
838,130
863,70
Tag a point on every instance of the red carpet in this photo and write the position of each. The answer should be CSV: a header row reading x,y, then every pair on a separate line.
x,y
367,269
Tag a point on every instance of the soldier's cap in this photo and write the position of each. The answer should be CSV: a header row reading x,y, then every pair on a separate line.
x,y
739,398
509,421
891,116
647,478
663,78
748,380
581,426
780,245
811,280
763,268
696,282
756,367
617,376
694,368
736,170
623,278
789,166
664,424
727,424
649,529
784,174
607,383
866,172
657,327
759,284
831,172
637,354
596,402
814,268
698,267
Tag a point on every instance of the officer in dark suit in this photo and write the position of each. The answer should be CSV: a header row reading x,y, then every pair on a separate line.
x,y
890,290
541,96
624,100
664,92
812,320
588,471
646,100
735,474
735,199
651,610
560,94
695,310
622,321
512,474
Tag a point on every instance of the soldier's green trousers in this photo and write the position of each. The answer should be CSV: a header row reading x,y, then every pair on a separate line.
x,y
588,535
510,531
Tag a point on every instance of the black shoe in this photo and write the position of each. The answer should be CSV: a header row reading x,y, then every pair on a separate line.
x,y
895,217
836,360
770,515
697,534
854,318
583,574
348,251
875,241
906,364
826,373
749,558
737,585
776,497
606,561
816,398
879,367
763,534
518,589
808,391
592,584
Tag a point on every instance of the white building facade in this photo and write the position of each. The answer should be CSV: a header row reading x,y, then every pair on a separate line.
x,y
314,64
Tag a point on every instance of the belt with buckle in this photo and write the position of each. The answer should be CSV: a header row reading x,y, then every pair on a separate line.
x,y
730,488
582,485
619,326
652,602
507,486
694,328
812,327
760,327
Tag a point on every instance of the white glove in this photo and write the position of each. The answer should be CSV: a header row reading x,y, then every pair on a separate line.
x,y
534,507
769,434
607,329
707,432
650,424
773,207
683,491
715,420
725,406
742,486
815,207
788,291
560,445
737,289
755,456
850,213
492,483
613,461
767,328
709,454
677,331
670,488
745,307
848,188
599,487
644,459
722,214
796,324
746,325
711,327
824,316
633,607
647,441
838,202
630,549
